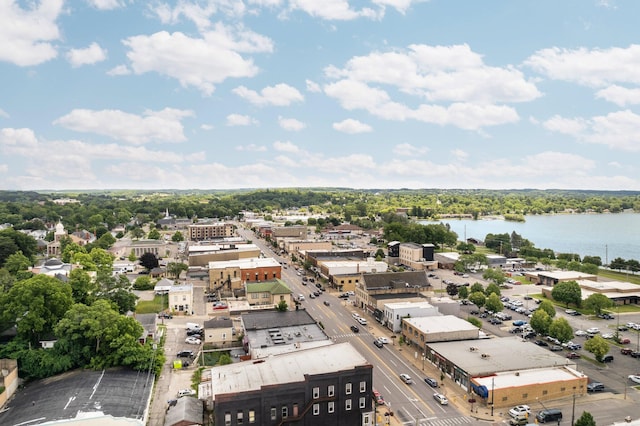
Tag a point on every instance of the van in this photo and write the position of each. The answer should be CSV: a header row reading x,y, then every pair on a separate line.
x,y
550,415
193,326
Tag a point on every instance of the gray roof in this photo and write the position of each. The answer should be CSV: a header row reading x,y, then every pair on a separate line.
x,y
396,280
188,410
218,323
275,319
501,354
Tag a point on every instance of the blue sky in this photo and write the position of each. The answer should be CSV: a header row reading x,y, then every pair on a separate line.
x,y
225,94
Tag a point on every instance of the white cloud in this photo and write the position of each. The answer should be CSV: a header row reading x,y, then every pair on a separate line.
x,y
460,155
251,147
240,120
285,146
206,127
595,67
351,126
619,95
291,124
408,150
158,126
87,56
338,10
279,95
3,113
400,5
106,4
313,87
4,168
27,36
618,130
119,70
198,62
200,14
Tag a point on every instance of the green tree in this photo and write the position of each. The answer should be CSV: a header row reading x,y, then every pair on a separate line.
x,y
541,322
7,280
143,283
105,241
476,287
597,346
83,288
225,359
475,321
493,303
561,330
176,268
477,298
137,233
548,307
589,268
132,257
492,288
154,234
567,292
282,306
36,305
495,275
463,292
149,261
17,262
177,237
596,302
452,289
586,419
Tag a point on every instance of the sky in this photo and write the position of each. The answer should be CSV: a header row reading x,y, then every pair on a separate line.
x,y
230,94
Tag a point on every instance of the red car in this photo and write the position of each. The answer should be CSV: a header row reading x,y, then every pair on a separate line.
x,y
625,351
573,355
379,399
625,341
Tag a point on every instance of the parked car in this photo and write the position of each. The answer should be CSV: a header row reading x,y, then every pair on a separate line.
x,y
186,354
431,382
626,351
186,392
573,355
580,333
555,348
192,340
607,358
541,343
520,410
442,400
378,398
625,341
519,323
593,330
406,378
595,387
378,343
165,315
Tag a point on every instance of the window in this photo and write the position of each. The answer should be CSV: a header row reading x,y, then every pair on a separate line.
x,y
316,409
544,392
252,416
363,387
347,388
525,395
227,418
274,413
366,419
316,393
240,417
331,390
363,402
347,405
562,389
266,276
285,412
331,407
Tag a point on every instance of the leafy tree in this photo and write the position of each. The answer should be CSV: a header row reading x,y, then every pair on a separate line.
x,y
176,268
589,268
22,242
541,322
495,275
476,287
225,359
282,306
36,305
6,281
597,346
466,248
177,237
493,303
137,233
463,292
83,288
452,289
17,262
105,241
586,419
567,292
562,264
132,257
143,283
477,298
597,302
154,234
149,261
70,250
594,260
561,330
492,288
548,307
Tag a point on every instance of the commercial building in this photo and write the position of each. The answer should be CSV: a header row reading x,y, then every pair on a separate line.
x,y
202,254
210,231
269,293
323,386
394,312
551,278
377,289
437,328
232,275
417,256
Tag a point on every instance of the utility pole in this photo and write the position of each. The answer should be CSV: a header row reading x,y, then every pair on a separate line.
x,y
493,387
573,409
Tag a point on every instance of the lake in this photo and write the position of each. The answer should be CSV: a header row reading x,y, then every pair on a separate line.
x,y
606,235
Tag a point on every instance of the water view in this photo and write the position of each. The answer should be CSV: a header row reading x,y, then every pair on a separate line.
x,y
605,235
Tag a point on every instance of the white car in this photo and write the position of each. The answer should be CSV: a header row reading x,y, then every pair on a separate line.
x,y
608,336
383,340
520,411
406,378
192,340
186,392
580,333
593,330
442,400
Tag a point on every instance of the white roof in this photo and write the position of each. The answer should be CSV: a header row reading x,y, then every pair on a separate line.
x,y
252,262
286,368
405,305
205,248
529,377
440,324
566,275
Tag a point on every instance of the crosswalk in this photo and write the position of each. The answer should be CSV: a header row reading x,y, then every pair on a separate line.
x,y
449,421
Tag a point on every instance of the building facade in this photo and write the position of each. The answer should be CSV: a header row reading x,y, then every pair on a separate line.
x,y
210,231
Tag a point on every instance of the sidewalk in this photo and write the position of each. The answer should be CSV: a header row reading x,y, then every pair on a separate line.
x,y
454,393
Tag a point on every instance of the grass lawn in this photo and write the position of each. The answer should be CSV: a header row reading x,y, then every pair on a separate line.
x,y
156,305
618,276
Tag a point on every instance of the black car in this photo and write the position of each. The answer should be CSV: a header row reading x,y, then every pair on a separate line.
x,y
326,302
195,332
541,343
531,335
595,387
186,354
165,315
355,328
431,382
378,343
495,321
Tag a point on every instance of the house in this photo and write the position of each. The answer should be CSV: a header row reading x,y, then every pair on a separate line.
x,y
218,331
181,298
8,379
270,292
187,411
149,324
